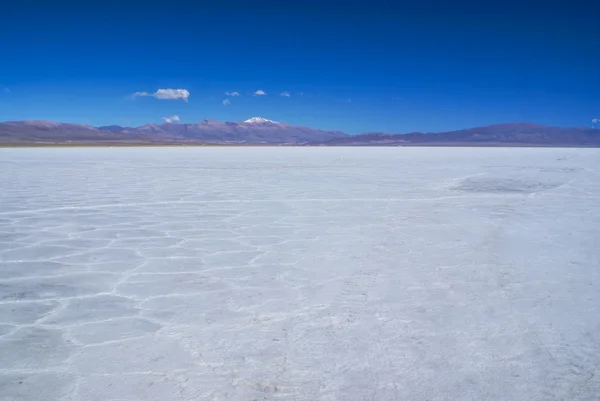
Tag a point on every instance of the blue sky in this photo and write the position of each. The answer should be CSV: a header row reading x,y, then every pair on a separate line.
x,y
357,66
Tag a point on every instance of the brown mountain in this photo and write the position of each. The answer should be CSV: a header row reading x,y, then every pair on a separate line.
x,y
38,132
254,131
262,131
512,134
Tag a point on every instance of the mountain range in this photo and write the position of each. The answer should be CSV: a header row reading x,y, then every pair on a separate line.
x,y
261,131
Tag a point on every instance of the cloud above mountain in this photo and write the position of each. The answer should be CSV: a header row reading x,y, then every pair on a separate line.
x,y
232,93
173,119
166,94
260,92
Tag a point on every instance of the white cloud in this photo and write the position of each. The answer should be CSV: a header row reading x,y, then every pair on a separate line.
x,y
232,93
260,92
173,119
285,94
166,94
596,120
226,102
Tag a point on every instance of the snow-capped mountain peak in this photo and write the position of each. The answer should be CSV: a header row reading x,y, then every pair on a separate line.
x,y
258,120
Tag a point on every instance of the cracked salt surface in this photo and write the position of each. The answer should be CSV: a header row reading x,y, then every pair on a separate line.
x,y
299,274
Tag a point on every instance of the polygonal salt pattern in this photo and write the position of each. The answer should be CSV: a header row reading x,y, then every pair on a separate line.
x,y
158,274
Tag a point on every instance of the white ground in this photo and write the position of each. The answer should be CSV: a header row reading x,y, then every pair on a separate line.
x,y
310,274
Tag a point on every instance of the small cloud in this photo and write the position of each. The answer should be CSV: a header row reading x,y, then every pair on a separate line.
x,y
260,92
349,100
226,102
301,93
285,94
173,119
595,120
232,93
166,94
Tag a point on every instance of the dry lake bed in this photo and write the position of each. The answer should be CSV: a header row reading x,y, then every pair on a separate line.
x,y
338,274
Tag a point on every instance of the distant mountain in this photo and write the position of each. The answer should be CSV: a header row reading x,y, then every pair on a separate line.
x,y
117,129
256,130
511,134
37,132
49,125
262,131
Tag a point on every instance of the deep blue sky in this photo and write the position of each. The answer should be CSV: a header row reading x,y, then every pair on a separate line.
x,y
361,66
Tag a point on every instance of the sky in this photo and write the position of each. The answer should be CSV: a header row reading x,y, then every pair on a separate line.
x,y
355,66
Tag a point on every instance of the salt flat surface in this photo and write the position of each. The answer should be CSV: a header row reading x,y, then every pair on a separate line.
x,y
335,274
